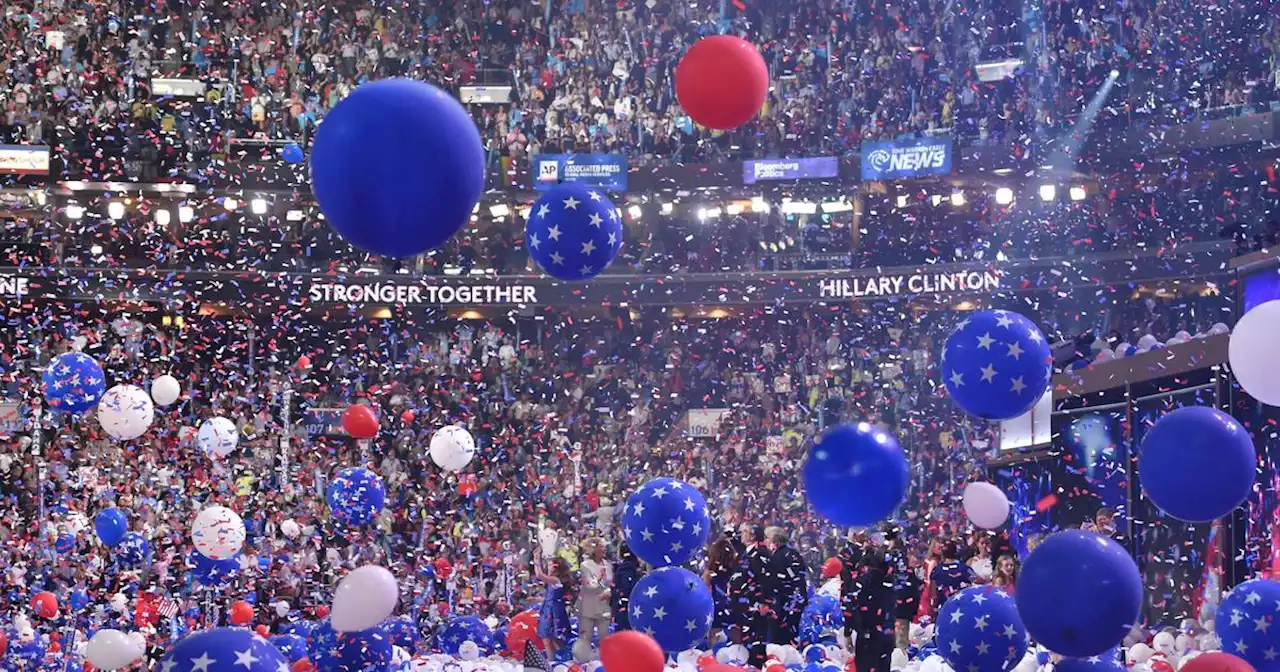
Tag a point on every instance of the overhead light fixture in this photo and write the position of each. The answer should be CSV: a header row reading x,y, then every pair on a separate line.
x,y
902,200
75,211
957,198
1115,74
1078,193
712,212
733,209
500,210
832,207
115,210
293,216
1004,196
162,216
799,207
258,206
186,213
230,203
635,211
1048,192
758,204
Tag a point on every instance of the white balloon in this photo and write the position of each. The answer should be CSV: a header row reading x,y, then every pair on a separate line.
x,y
1183,336
1140,653
1252,352
985,505
290,528
119,602
139,642
452,448
282,608
363,599
125,412
1105,355
1147,341
110,649
217,437
469,650
1122,349
218,533
165,390
1221,328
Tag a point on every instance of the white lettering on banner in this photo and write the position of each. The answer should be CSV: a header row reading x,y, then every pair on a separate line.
x,y
919,283
12,285
768,170
414,294
910,159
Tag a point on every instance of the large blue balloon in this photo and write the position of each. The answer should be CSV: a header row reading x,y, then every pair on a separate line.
x,y
996,365
211,572
856,475
134,550
292,153
1107,662
64,544
397,167
73,383
356,496
666,522
1079,593
822,618
464,629
979,628
1246,622
573,232
1197,464
363,651
674,606
223,650
403,633
111,526
292,647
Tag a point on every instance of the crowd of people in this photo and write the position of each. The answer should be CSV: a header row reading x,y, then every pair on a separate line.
x,y
589,76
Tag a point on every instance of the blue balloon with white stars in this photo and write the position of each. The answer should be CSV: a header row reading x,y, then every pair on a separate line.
x,y
465,629
666,522
356,496
134,550
1246,623
64,544
856,475
363,651
996,365
979,631
822,618
292,647
303,629
573,232
404,633
23,654
223,650
73,383
1107,662
214,572
674,606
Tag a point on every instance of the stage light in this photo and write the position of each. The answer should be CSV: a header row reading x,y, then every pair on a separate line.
x,y
230,203
758,204
186,213
635,211
957,199
258,206
833,207
667,208
74,211
733,209
115,210
1078,193
799,208
95,250
1115,74
294,216
162,217
1004,196
902,200
500,210
1048,192
935,199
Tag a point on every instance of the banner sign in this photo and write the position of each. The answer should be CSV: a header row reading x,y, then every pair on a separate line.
x,y
14,285
178,88
323,421
10,418
380,293
606,171
704,423
906,159
984,282
24,160
817,168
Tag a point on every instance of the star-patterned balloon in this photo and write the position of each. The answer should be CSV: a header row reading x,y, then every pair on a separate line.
x,y
465,629
223,650
996,365
573,232
979,631
292,647
403,632
673,606
363,651
1247,623
1107,662
214,572
666,522
134,551
356,496
73,383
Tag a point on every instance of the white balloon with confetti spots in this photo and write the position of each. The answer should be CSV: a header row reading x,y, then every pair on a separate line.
x,y
218,533
217,437
126,412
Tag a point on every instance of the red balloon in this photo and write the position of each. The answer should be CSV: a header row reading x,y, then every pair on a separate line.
x,y
832,568
45,604
322,610
303,665
706,661
524,629
241,613
4,642
262,630
360,422
633,651
406,417
1216,661
722,82
304,363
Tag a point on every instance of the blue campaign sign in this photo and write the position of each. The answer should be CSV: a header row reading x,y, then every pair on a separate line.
x,y
905,159
606,171
816,168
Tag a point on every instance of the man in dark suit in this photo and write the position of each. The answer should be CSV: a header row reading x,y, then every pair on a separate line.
x,y
748,590
872,617
789,587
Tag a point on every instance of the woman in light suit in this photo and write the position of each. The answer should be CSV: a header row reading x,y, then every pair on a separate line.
x,y
597,579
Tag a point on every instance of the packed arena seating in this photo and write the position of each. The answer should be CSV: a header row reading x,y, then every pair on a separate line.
x,y
594,76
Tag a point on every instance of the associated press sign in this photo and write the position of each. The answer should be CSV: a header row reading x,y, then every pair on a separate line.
x,y
906,159
386,293
915,283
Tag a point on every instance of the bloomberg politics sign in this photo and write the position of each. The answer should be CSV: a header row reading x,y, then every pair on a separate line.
x,y
605,171
906,159
816,168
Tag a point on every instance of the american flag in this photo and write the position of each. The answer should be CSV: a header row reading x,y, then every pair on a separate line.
x,y
168,607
